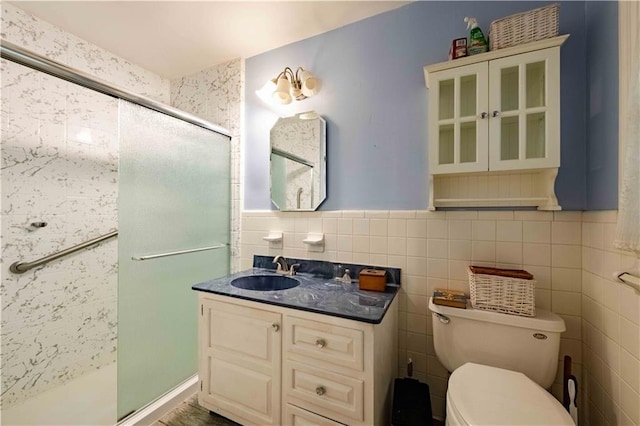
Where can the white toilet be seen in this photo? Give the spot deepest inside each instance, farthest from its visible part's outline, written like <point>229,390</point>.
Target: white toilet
<point>500,364</point>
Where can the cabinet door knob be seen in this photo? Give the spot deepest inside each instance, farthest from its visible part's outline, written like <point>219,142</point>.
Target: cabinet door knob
<point>483,115</point>
<point>495,113</point>
<point>321,343</point>
<point>276,327</point>
<point>320,390</point>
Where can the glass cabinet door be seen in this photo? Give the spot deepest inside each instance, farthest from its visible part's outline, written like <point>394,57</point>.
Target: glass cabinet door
<point>458,106</point>
<point>524,109</point>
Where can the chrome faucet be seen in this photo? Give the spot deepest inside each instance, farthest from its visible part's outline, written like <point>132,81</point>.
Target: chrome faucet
<point>283,266</point>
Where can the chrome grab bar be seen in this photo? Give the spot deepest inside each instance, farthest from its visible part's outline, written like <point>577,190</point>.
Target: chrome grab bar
<point>173,253</point>
<point>22,267</point>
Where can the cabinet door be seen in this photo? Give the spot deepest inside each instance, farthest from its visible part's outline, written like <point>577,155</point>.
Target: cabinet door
<point>458,128</point>
<point>240,362</point>
<point>524,110</point>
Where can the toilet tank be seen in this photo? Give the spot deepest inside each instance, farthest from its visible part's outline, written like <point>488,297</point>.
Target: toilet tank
<point>524,344</point>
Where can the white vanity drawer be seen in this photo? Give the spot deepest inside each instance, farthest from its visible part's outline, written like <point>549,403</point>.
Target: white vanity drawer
<point>324,342</point>
<point>323,392</point>
<point>295,416</point>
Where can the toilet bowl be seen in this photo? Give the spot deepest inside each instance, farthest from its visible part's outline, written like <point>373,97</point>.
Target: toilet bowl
<point>500,366</point>
<point>483,395</point>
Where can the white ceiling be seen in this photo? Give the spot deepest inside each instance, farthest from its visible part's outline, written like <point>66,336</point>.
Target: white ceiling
<point>177,38</point>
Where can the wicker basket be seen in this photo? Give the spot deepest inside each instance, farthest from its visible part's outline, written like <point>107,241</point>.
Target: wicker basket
<point>524,27</point>
<point>507,295</point>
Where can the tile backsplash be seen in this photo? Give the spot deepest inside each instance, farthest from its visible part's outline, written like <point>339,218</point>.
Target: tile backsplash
<point>326,269</point>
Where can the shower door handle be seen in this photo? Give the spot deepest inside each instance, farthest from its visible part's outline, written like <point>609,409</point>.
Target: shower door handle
<point>174,253</point>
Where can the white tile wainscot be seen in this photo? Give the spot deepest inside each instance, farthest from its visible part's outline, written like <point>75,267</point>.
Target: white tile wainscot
<point>610,327</point>
<point>432,249</point>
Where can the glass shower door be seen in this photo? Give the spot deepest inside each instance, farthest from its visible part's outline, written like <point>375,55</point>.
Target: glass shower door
<point>174,196</point>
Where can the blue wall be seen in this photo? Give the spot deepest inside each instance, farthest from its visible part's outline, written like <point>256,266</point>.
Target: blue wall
<point>375,102</point>
<point>602,108</point>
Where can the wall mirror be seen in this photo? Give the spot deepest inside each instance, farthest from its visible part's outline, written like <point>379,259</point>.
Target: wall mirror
<point>298,162</point>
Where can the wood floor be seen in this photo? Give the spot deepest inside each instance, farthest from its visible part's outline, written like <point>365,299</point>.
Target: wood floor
<point>189,413</point>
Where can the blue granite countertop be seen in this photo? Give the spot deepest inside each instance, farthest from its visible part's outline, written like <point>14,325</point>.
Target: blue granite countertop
<point>316,293</point>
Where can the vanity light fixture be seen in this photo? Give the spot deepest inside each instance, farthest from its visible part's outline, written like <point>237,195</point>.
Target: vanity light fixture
<point>288,86</point>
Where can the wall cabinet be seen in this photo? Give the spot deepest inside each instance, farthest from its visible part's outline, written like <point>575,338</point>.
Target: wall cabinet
<point>269,365</point>
<point>494,127</point>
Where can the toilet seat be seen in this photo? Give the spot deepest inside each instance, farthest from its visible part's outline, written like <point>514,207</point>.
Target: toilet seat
<point>484,395</point>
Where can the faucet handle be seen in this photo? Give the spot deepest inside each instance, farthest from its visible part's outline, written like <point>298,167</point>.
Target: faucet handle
<point>292,268</point>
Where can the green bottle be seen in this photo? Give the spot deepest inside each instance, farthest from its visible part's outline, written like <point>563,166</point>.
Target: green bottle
<point>477,41</point>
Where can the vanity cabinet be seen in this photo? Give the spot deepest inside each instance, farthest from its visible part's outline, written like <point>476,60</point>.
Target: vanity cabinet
<point>494,127</point>
<point>327,370</point>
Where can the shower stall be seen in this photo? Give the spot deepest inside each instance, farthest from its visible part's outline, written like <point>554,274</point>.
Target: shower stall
<point>113,205</point>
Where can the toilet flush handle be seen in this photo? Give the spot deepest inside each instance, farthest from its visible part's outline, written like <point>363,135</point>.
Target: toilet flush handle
<point>442,318</point>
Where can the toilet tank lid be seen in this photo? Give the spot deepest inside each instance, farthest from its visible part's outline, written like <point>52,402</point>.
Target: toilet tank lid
<point>483,395</point>
<point>543,321</point>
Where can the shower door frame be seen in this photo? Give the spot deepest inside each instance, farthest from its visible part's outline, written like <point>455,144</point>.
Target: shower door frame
<point>17,54</point>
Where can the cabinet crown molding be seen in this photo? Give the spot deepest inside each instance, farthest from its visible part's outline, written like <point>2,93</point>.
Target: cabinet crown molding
<point>494,54</point>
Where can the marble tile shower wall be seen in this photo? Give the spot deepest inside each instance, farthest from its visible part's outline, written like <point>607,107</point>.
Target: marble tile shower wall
<point>216,95</point>
<point>611,327</point>
<point>433,250</point>
<point>59,165</point>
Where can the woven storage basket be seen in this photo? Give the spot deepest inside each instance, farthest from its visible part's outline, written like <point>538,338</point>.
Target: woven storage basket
<point>524,27</point>
<point>507,295</point>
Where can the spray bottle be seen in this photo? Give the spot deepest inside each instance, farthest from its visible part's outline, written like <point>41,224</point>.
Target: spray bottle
<point>477,41</point>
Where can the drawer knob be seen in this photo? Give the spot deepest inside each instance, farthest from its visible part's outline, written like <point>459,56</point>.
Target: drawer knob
<point>320,390</point>
<point>321,343</point>
<point>276,327</point>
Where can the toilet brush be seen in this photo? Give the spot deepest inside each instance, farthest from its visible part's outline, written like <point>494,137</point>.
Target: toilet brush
<point>572,385</point>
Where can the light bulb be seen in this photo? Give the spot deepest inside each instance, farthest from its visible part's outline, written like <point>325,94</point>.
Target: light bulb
<point>281,95</point>
<point>310,85</point>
